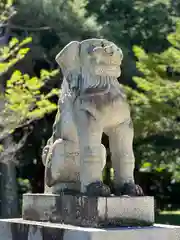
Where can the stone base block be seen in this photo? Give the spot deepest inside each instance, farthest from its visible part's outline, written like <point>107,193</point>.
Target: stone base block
<point>19,229</point>
<point>89,211</point>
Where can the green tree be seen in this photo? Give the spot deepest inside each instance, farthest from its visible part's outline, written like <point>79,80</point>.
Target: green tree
<point>23,98</point>
<point>22,101</point>
<point>52,24</point>
<point>155,106</point>
<point>133,22</point>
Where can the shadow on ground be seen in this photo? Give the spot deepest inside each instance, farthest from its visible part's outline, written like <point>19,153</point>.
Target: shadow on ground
<point>172,218</point>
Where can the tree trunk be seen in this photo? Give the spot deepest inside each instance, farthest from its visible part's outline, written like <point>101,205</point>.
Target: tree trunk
<point>8,183</point>
<point>9,193</point>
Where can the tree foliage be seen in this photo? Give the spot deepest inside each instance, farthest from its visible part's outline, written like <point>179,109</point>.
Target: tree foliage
<point>156,103</point>
<point>53,24</point>
<point>133,22</point>
<point>128,22</point>
<point>23,98</point>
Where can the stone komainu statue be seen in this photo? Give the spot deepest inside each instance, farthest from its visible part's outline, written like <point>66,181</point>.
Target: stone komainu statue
<point>91,102</point>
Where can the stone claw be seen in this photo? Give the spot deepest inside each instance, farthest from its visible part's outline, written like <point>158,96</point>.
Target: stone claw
<point>129,189</point>
<point>98,189</point>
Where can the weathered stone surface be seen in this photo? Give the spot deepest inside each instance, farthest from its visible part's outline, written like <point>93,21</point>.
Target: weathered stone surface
<point>18,229</point>
<point>89,211</point>
<point>92,102</point>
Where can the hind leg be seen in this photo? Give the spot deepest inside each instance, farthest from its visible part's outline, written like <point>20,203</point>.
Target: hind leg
<point>62,167</point>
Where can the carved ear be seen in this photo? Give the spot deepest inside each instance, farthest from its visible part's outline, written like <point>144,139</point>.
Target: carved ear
<point>68,58</point>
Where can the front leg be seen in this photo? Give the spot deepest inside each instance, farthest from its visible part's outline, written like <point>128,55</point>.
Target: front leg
<point>92,155</point>
<point>123,161</point>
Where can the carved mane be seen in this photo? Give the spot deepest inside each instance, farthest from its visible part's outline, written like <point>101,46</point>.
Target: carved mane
<point>96,79</point>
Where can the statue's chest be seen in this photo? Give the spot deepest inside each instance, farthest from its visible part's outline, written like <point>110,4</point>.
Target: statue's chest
<point>101,98</point>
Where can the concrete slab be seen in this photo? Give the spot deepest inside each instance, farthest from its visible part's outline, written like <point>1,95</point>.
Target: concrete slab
<point>89,211</point>
<point>19,229</point>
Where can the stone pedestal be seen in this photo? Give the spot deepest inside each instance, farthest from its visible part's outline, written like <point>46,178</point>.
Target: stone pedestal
<point>89,211</point>
<point>19,229</point>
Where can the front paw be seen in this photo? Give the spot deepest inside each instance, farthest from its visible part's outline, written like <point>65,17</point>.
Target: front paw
<point>98,189</point>
<point>129,189</point>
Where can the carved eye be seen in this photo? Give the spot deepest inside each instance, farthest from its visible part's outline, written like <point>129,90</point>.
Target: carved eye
<point>109,50</point>
<point>90,49</point>
<point>102,45</point>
